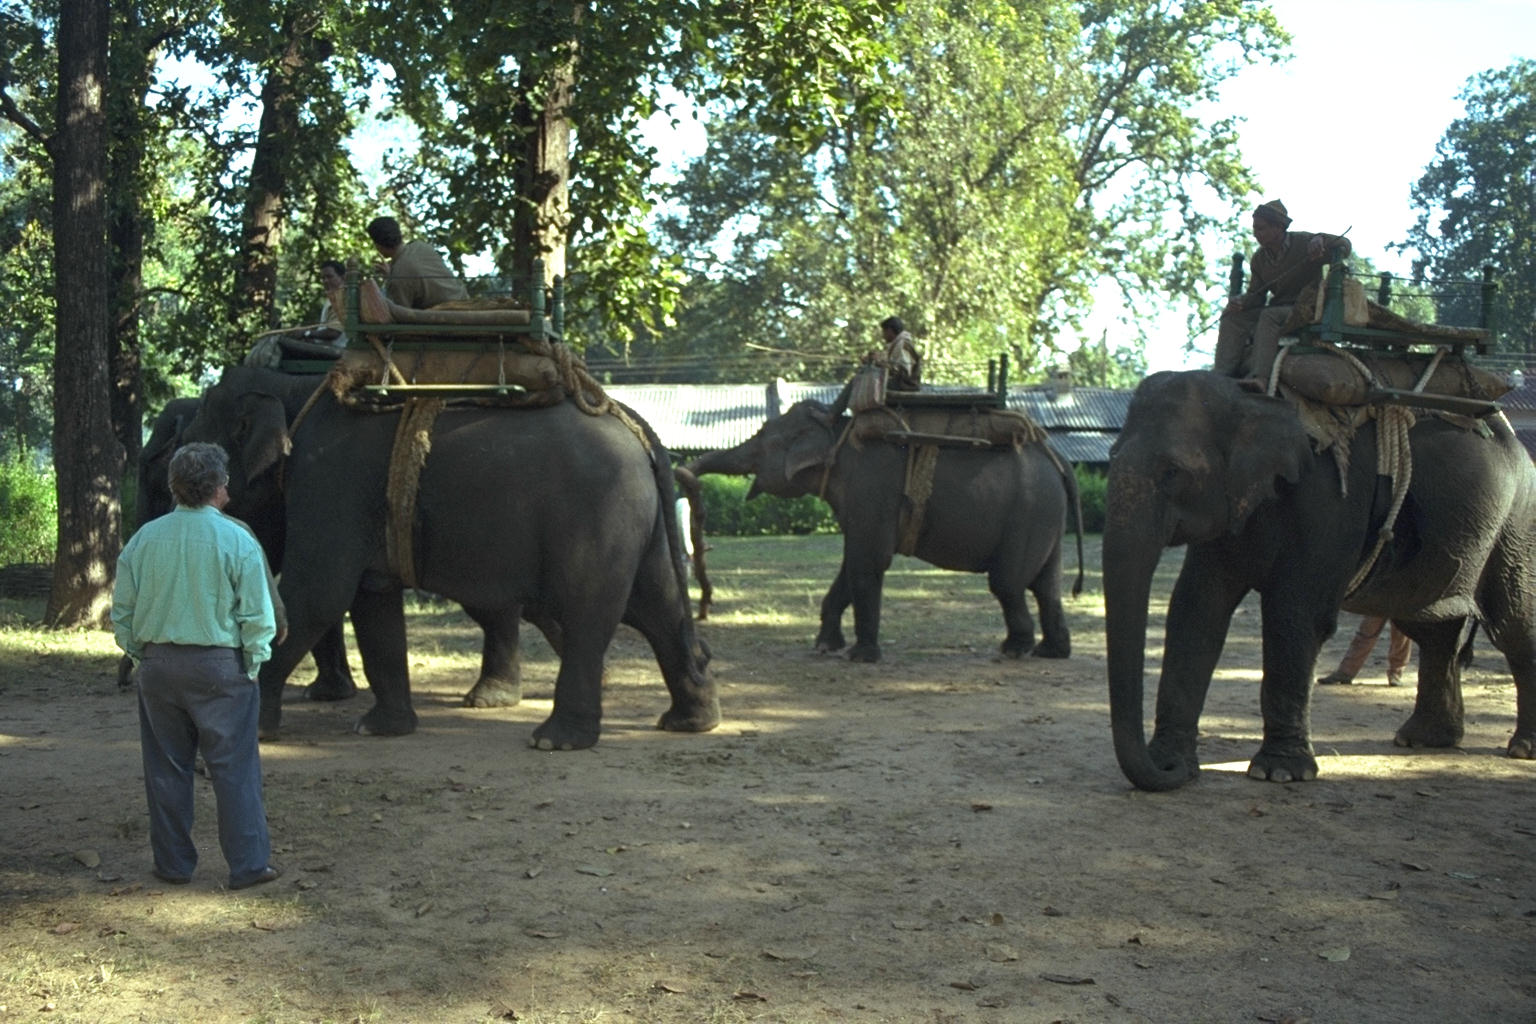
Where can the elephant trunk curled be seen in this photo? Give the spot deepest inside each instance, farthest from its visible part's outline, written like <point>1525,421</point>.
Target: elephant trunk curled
<point>1133,546</point>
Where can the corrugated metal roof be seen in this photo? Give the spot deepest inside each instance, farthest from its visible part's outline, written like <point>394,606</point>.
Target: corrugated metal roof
<point>707,417</point>
<point>697,417</point>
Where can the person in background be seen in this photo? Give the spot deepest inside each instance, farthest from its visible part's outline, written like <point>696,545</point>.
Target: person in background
<point>1285,263</point>
<point>901,359</point>
<point>417,277</point>
<point>1398,653</point>
<point>333,278</point>
<point>191,607</point>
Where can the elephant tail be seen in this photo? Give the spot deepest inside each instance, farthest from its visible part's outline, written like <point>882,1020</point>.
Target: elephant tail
<point>1069,481</point>
<point>696,520</point>
<point>661,468</point>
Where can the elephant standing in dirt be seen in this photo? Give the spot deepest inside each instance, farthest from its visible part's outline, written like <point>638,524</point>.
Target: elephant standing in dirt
<point>549,510</point>
<point>1001,511</point>
<point>1233,475</point>
<point>153,499</point>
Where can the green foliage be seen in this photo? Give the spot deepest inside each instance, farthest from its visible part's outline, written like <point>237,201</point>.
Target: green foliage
<point>728,513</point>
<point>1091,485</point>
<point>28,512</point>
<point>1033,149</point>
<point>1477,205</point>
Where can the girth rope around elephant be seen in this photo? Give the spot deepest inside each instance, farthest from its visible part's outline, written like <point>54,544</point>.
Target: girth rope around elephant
<point>413,437</point>
<point>1394,454</point>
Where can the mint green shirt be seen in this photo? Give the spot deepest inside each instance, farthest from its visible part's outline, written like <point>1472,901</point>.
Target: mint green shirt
<point>195,576</point>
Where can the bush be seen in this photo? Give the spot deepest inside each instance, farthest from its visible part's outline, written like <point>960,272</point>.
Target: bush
<point>1090,488</point>
<point>28,513</point>
<point>729,513</point>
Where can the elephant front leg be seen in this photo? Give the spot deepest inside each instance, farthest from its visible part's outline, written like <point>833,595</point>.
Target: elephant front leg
<point>501,677</point>
<point>1199,616</point>
<point>1437,719</point>
<point>867,590</point>
<point>836,601</point>
<point>1293,632</point>
<point>378,619</point>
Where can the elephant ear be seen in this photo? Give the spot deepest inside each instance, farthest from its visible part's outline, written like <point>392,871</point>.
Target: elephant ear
<point>261,433</point>
<point>1268,446</point>
<point>810,449</point>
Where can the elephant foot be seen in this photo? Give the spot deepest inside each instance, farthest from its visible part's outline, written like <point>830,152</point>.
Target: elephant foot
<point>1284,766</point>
<point>1423,731</point>
<point>327,689</point>
<point>828,643</point>
<point>868,653</point>
<point>1053,647</point>
<point>377,722</point>
<point>564,733</point>
<point>702,718</point>
<point>267,722</point>
<point>1522,747</point>
<point>494,693</point>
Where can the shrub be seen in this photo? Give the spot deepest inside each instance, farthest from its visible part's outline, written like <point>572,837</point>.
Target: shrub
<point>1090,488</point>
<point>729,514</point>
<point>28,512</point>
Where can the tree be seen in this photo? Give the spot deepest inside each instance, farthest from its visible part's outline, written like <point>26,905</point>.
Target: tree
<point>88,458</point>
<point>1034,149</point>
<point>1477,205</point>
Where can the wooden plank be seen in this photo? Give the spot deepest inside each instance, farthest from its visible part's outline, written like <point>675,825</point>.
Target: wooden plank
<point>1426,400</point>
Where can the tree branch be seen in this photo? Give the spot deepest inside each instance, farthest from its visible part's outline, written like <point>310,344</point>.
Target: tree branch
<point>17,116</point>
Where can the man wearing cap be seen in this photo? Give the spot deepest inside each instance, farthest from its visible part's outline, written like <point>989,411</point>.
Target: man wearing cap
<point>1286,262</point>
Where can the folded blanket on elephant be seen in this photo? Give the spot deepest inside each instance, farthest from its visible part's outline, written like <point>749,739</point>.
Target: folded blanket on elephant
<point>272,349</point>
<point>374,307</point>
<point>998,428</point>
<point>1340,377</point>
<point>490,363</point>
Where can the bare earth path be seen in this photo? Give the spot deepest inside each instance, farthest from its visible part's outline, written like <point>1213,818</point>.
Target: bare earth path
<point>940,837</point>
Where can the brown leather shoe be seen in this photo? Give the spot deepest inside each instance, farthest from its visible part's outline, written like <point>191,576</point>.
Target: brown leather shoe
<point>1335,679</point>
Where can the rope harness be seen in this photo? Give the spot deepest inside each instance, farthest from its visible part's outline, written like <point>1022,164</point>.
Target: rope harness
<point>413,434</point>
<point>1394,453</point>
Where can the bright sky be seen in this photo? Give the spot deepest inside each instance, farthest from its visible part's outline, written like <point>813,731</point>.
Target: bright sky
<point>1342,131</point>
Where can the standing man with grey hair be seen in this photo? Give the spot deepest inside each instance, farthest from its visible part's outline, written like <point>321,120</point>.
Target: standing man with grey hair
<point>191,607</point>
<point>418,277</point>
<point>1286,263</point>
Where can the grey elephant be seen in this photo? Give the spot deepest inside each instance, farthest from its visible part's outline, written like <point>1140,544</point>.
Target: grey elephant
<point>1001,511</point>
<point>153,499</point>
<point>1233,475</point>
<point>549,511</point>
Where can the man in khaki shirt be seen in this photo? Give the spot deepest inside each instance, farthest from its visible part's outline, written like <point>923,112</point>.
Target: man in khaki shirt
<point>418,277</point>
<point>1286,262</point>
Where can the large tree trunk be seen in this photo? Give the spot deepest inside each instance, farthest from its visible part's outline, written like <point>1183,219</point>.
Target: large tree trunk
<point>271,163</point>
<point>132,66</point>
<point>542,121</point>
<point>87,456</point>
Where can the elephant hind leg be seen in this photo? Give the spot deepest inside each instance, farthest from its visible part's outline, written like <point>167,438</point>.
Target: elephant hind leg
<point>1437,710</point>
<point>1020,639</point>
<point>500,684</point>
<point>1516,639</point>
<point>378,619</point>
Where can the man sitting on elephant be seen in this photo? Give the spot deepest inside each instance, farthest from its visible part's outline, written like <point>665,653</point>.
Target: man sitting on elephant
<point>1286,263</point>
<point>418,277</point>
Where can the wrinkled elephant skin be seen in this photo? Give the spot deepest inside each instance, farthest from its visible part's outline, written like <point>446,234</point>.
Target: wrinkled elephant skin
<point>998,511</point>
<point>550,510</point>
<point>1232,474</point>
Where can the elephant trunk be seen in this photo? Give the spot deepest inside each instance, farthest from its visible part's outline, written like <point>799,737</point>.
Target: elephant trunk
<point>736,461</point>
<point>1133,546</point>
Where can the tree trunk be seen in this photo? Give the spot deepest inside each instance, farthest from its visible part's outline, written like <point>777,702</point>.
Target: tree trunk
<point>131,69</point>
<point>87,456</point>
<point>540,225</point>
<point>271,163</point>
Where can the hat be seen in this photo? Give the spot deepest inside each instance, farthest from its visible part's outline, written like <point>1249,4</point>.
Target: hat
<point>1274,212</point>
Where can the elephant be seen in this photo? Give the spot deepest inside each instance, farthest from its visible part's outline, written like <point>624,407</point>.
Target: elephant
<point>1233,476</point>
<point>550,511</point>
<point>153,499</point>
<point>1000,511</point>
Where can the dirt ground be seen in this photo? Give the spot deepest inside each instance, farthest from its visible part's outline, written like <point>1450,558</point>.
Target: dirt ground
<point>940,837</point>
